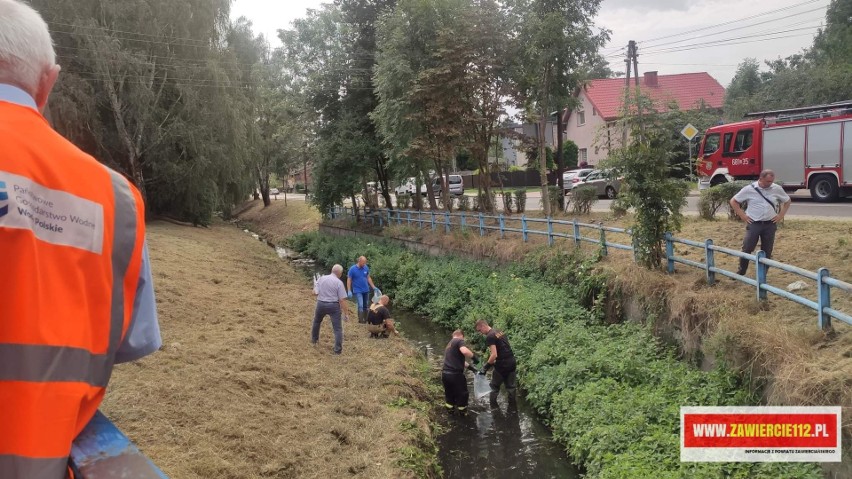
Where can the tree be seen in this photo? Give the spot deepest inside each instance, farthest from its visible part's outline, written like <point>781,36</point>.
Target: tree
<point>150,89</point>
<point>645,165</point>
<point>740,97</point>
<point>557,41</point>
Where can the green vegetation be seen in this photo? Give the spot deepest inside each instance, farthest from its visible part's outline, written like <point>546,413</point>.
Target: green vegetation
<point>610,393</point>
<point>716,197</point>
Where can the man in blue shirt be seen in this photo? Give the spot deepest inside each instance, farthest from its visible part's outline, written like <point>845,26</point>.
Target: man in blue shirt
<point>359,283</point>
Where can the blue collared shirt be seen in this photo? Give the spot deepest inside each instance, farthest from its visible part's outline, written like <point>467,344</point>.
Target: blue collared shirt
<point>143,334</point>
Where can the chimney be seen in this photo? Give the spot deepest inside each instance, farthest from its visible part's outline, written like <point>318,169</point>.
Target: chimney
<point>650,78</point>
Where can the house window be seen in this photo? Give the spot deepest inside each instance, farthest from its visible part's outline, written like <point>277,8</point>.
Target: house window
<point>581,116</point>
<point>583,157</point>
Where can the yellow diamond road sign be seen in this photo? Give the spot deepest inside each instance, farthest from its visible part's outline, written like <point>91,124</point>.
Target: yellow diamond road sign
<point>689,131</point>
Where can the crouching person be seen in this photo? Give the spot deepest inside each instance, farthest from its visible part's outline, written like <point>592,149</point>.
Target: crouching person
<point>452,374</point>
<point>379,322</point>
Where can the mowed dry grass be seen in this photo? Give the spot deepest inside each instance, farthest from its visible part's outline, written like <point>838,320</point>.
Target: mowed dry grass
<point>279,221</point>
<point>237,391</point>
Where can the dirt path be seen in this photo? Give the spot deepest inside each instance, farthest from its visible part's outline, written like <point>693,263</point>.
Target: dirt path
<point>238,392</point>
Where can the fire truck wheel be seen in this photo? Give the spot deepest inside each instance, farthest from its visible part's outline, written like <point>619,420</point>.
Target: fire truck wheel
<point>824,188</point>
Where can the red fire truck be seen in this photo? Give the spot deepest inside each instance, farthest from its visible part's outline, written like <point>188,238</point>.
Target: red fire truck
<point>806,147</point>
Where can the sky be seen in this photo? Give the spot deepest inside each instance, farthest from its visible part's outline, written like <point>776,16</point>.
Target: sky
<point>691,26</point>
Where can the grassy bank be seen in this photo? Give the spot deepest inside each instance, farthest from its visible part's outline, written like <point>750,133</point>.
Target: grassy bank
<point>611,393</point>
<point>238,392</point>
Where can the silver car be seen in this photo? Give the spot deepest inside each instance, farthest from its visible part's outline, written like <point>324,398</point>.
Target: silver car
<point>456,185</point>
<point>603,182</point>
<point>571,178</point>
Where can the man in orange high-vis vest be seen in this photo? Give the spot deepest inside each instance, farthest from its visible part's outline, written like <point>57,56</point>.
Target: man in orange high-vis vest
<point>76,295</point>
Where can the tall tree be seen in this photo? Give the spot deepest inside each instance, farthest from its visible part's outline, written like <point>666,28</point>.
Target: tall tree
<point>557,40</point>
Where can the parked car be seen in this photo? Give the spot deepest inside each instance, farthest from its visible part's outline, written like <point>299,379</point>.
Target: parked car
<point>409,187</point>
<point>603,183</point>
<point>456,185</point>
<point>572,177</point>
<point>274,191</point>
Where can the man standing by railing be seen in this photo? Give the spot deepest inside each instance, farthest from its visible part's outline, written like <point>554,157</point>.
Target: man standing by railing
<point>767,203</point>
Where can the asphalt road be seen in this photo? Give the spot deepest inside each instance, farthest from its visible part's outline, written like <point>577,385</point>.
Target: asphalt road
<point>803,206</point>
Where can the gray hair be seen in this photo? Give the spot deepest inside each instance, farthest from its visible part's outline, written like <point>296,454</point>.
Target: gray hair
<point>337,269</point>
<point>765,173</point>
<point>26,49</point>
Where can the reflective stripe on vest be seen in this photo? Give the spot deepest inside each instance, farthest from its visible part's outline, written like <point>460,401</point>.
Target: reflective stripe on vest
<point>57,364</point>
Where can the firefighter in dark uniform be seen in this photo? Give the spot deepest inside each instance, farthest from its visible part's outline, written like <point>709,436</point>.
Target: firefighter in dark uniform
<point>452,373</point>
<point>501,358</point>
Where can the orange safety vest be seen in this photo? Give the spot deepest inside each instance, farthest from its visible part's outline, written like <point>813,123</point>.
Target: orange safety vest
<point>71,241</point>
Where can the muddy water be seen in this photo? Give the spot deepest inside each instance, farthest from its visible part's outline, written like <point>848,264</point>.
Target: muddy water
<point>491,442</point>
<point>506,441</point>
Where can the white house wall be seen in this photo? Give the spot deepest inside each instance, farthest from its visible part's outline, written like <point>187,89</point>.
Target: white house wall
<point>585,135</point>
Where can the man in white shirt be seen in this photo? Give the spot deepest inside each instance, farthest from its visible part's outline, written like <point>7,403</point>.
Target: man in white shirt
<point>331,301</point>
<point>767,203</point>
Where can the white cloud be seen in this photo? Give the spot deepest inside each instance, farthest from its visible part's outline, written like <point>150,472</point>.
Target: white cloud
<point>270,16</point>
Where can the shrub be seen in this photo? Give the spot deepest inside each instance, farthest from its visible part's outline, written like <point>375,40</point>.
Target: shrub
<point>507,202</point>
<point>554,195</point>
<point>464,203</point>
<point>403,201</point>
<point>582,199</point>
<point>717,196</point>
<point>521,200</point>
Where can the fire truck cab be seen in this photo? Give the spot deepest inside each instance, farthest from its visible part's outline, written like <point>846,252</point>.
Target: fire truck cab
<point>806,148</point>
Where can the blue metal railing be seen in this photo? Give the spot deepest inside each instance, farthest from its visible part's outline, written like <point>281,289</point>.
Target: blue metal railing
<point>503,224</point>
<point>101,450</point>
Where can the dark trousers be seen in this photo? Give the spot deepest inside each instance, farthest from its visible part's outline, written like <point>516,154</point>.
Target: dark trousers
<point>455,390</point>
<point>759,230</point>
<point>333,310</point>
<point>507,378</point>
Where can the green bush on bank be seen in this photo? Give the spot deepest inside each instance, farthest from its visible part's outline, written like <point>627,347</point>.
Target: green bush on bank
<point>610,393</point>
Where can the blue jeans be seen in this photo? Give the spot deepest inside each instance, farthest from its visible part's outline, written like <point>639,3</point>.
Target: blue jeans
<point>333,310</point>
<point>363,301</point>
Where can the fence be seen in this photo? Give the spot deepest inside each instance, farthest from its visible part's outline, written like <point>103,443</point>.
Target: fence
<point>102,450</point>
<point>500,223</point>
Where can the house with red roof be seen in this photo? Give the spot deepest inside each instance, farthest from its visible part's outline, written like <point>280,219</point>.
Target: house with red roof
<point>590,124</point>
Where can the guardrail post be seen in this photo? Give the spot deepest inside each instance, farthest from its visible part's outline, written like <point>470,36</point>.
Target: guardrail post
<point>381,221</point>
<point>408,217</point>
<point>433,219</point>
<point>524,227</point>
<point>576,233</point>
<point>481,224</point>
<point>447,221</point>
<point>463,221</point>
<point>502,226</point>
<point>824,300</point>
<point>635,244</point>
<point>761,274</point>
<point>709,261</point>
<point>390,217</point>
<point>603,241</point>
<point>420,219</point>
<point>670,253</point>
<point>549,231</point>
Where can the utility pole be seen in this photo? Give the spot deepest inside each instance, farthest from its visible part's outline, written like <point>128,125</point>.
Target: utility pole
<point>628,61</point>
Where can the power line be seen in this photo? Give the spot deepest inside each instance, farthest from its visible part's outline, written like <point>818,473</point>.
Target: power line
<point>742,28</point>
<point>733,21</point>
<point>127,33</point>
<point>726,40</point>
<point>730,44</point>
